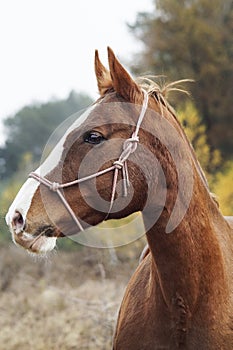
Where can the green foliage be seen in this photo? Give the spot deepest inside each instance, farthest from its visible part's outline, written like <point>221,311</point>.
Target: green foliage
<point>224,189</point>
<point>220,181</point>
<point>10,187</point>
<point>193,39</point>
<point>195,130</point>
<point>8,191</point>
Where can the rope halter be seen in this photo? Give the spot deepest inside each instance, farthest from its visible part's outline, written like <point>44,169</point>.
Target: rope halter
<point>129,147</point>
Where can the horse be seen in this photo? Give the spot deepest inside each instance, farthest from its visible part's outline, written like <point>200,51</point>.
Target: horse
<point>129,153</point>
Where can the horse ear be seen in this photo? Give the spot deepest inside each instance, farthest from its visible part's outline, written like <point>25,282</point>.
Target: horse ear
<point>103,76</point>
<point>121,80</point>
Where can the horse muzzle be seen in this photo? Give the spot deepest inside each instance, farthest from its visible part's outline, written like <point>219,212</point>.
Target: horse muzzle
<point>41,241</point>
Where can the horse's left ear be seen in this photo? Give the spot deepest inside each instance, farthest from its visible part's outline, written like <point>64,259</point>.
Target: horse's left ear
<point>122,82</point>
<point>103,76</point>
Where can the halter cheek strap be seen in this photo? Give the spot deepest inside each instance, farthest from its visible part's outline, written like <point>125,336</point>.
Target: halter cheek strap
<point>129,146</point>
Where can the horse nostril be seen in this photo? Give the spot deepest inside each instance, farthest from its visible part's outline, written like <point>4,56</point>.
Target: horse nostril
<point>18,223</point>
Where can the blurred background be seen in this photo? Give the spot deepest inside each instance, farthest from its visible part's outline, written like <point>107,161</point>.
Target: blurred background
<point>70,299</point>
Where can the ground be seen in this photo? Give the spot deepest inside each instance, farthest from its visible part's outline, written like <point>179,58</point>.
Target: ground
<point>66,301</point>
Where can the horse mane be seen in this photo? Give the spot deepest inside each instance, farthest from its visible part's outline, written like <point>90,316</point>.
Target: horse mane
<point>157,87</point>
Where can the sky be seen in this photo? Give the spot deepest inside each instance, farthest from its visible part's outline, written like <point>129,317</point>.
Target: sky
<point>47,46</point>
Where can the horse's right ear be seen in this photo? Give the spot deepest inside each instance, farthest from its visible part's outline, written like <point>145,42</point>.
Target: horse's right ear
<point>122,82</point>
<point>103,76</point>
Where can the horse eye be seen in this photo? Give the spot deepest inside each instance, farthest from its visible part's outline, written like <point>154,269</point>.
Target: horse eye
<point>93,137</point>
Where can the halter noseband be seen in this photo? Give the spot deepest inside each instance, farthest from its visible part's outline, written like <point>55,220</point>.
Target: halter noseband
<point>129,146</point>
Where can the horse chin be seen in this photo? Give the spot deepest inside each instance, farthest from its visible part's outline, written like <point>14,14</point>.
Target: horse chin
<point>37,244</point>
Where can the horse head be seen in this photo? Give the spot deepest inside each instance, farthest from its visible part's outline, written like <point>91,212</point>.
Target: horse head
<point>92,144</point>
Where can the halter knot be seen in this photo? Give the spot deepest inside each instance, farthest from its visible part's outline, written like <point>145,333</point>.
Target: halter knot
<point>132,143</point>
<point>118,164</point>
<point>54,186</point>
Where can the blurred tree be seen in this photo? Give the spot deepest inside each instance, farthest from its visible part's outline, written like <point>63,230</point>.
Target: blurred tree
<point>220,180</point>
<point>195,129</point>
<point>30,128</point>
<point>193,39</point>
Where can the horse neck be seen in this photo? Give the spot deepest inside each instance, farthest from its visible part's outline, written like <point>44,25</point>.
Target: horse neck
<point>187,262</point>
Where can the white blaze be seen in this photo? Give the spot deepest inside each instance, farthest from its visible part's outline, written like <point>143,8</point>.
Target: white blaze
<point>22,201</point>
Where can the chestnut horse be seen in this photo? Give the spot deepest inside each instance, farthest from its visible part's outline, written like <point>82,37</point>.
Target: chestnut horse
<point>180,296</point>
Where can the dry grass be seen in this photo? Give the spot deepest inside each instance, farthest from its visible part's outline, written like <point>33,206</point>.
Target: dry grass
<point>68,301</point>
